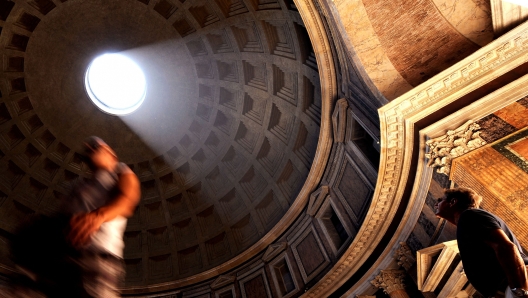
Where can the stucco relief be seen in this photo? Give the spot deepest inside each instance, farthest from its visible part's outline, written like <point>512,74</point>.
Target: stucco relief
<point>454,143</point>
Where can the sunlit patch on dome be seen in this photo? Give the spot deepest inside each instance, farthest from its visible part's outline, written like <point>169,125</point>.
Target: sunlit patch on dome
<point>115,84</point>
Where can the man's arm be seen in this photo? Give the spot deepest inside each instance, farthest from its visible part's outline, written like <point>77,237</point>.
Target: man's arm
<point>509,258</point>
<point>84,225</point>
<point>126,202</point>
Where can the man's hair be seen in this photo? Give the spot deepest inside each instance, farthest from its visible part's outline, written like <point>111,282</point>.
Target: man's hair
<point>466,197</point>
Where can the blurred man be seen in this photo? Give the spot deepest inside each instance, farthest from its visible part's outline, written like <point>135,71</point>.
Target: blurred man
<point>80,251</point>
<point>101,207</point>
<point>491,255</point>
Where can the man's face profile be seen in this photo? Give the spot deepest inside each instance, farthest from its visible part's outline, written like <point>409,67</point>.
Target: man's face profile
<point>444,207</point>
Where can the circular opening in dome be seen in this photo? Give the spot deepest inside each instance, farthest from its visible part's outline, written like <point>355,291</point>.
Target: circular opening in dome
<point>115,84</point>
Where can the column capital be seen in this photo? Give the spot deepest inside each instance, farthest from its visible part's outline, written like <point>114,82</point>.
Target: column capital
<point>390,280</point>
<point>404,256</point>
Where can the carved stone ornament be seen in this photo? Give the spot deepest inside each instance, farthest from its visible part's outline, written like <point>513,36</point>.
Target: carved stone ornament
<point>454,143</point>
<point>390,280</point>
<point>404,256</point>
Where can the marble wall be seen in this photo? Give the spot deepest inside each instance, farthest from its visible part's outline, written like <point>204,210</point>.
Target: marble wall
<point>472,18</point>
<point>366,44</point>
<point>402,44</point>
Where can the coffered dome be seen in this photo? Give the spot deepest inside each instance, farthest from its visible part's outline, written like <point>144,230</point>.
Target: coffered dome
<point>222,144</point>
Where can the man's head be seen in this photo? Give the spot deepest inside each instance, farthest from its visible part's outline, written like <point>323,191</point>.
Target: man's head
<point>98,154</point>
<point>455,201</point>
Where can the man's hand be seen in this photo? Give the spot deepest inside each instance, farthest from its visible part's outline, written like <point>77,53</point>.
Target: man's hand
<point>83,226</point>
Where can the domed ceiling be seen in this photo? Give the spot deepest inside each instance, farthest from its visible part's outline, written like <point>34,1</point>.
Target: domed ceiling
<point>222,144</point>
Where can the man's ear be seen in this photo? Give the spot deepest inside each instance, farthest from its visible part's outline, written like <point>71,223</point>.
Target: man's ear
<point>453,202</point>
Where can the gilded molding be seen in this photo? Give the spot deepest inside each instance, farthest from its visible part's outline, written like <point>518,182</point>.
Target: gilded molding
<point>397,126</point>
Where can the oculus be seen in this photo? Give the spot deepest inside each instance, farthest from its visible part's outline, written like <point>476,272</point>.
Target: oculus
<point>115,84</point>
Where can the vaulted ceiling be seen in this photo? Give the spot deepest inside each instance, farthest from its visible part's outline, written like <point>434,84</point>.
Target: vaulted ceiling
<point>222,144</point>
<point>239,99</point>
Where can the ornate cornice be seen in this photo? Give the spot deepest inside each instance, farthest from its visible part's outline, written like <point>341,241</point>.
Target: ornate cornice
<point>398,140</point>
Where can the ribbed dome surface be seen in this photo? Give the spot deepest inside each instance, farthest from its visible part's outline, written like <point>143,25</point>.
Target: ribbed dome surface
<point>222,144</point>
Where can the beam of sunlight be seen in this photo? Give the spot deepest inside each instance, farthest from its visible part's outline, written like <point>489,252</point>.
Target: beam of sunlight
<point>170,103</point>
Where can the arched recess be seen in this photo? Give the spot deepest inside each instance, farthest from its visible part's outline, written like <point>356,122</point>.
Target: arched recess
<point>444,102</point>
